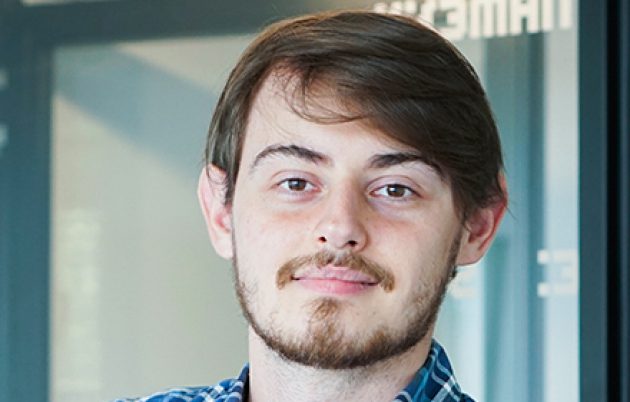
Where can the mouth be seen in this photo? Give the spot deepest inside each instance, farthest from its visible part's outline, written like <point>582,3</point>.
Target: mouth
<point>333,280</point>
<point>335,273</point>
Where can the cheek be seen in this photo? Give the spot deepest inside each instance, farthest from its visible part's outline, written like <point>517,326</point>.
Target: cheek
<point>277,230</point>
<point>267,222</point>
<point>415,250</point>
<point>265,241</point>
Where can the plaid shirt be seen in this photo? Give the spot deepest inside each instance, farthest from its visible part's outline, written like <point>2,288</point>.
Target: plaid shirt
<point>433,382</point>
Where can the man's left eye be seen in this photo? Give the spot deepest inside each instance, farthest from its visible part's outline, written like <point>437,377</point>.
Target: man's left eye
<point>394,191</point>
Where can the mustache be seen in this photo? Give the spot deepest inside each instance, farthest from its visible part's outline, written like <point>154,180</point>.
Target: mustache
<point>348,259</point>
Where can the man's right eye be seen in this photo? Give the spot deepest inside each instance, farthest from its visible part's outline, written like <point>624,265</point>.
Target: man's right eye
<point>295,184</point>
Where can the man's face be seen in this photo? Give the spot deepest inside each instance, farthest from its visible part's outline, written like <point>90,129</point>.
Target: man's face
<point>344,241</point>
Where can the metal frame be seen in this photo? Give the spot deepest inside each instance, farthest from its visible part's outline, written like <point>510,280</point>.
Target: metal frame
<point>619,193</point>
<point>604,35</point>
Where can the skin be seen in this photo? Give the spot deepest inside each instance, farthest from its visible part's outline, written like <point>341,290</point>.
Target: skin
<point>305,187</point>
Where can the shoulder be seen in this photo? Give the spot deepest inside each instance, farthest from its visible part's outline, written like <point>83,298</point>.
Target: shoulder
<point>230,390</point>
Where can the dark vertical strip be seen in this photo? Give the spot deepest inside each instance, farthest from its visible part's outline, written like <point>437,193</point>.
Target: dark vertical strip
<point>4,215</point>
<point>614,319</point>
<point>605,200</point>
<point>29,221</point>
<point>611,72</point>
<point>619,199</point>
<point>7,9</point>
<point>594,371</point>
<point>624,197</point>
<point>5,311</point>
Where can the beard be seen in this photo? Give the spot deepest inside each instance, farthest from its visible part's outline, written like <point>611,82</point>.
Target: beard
<point>325,344</point>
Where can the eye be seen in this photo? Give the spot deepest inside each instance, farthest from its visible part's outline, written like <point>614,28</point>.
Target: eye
<point>394,191</point>
<point>296,185</point>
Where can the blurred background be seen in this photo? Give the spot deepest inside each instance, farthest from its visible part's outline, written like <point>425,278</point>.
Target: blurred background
<point>109,286</point>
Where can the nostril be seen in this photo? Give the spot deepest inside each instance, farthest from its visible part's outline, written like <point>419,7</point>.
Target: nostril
<point>352,243</point>
<point>322,239</point>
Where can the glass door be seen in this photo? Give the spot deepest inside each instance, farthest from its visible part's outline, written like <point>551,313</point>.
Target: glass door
<point>139,301</point>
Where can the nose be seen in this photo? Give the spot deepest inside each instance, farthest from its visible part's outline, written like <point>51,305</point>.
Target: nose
<point>342,226</point>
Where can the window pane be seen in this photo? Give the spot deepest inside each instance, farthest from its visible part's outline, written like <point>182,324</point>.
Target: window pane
<point>510,323</point>
<point>139,300</point>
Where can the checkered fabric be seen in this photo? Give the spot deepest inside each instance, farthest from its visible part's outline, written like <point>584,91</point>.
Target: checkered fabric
<point>433,382</point>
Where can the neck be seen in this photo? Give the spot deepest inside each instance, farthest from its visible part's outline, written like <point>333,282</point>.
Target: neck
<point>273,378</point>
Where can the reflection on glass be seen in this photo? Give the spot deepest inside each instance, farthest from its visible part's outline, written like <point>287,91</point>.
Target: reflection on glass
<point>136,290</point>
<point>515,337</point>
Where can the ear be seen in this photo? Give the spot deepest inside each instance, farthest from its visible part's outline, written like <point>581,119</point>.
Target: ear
<point>481,228</point>
<point>211,193</point>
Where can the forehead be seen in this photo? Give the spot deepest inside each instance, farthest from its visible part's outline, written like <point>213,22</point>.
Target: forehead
<point>283,111</point>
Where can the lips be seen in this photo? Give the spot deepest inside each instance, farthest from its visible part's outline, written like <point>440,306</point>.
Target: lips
<point>335,273</point>
<point>338,281</point>
<point>331,272</point>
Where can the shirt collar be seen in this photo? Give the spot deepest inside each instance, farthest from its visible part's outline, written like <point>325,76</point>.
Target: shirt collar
<point>434,381</point>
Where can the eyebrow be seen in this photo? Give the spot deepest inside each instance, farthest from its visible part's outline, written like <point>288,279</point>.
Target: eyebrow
<point>383,161</point>
<point>380,161</point>
<point>294,151</point>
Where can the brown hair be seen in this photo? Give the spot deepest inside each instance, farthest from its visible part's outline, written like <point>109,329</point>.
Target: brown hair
<point>399,76</point>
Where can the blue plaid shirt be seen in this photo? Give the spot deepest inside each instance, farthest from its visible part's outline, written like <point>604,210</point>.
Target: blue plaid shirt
<point>433,382</point>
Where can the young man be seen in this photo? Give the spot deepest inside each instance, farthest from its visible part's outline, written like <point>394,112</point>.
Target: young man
<point>352,164</point>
